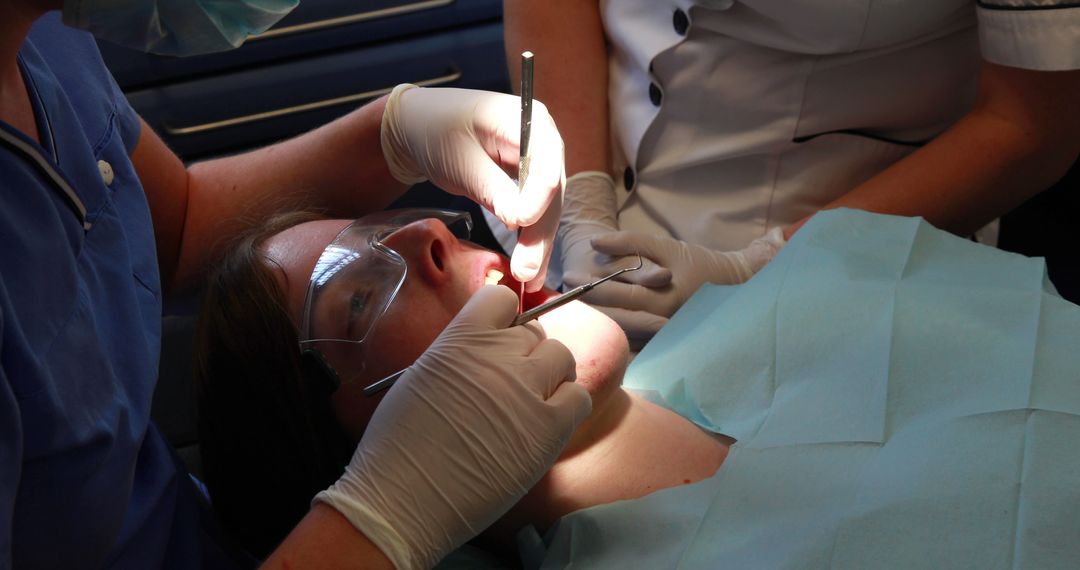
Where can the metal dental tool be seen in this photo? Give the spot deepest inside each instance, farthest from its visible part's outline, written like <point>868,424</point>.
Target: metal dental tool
<point>568,296</point>
<point>526,116</point>
<point>522,318</point>
<point>383,384</point>
<point>526,131</point>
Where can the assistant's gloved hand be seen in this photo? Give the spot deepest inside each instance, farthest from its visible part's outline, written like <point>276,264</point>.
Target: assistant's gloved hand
<point>465,142</point>
<point>639,308</point>
<point>461,437</point>
<point>589,212</point>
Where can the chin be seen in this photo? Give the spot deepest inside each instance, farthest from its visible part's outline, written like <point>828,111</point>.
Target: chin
<point>598,344</point>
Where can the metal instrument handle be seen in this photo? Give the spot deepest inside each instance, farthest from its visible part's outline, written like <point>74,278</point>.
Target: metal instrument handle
<point>385,383</point>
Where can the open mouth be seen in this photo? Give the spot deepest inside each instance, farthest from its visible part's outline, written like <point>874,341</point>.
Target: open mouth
<point>502,276</point>
<point>494,277</point>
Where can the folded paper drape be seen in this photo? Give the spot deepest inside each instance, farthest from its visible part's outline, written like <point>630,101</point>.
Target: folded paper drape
<point>901,398</point>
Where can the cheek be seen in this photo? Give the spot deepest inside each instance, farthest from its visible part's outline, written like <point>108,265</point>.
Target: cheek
<point>401,335</point>
<point>406,330</point>
<point>399,342</point>
<point>352,409</point>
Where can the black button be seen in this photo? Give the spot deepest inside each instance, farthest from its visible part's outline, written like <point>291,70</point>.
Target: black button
<point>680,21</point>
<point>628,179</point>
<point>654,94</point>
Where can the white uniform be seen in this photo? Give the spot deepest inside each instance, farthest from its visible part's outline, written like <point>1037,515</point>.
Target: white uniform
<point>729,118</point>
<point>732,117</point>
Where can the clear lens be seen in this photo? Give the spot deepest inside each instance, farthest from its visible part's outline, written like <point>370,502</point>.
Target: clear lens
<point>349,289</point>
<point>357,277</point>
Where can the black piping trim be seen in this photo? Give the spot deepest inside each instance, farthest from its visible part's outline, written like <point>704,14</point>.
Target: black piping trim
<point>19,147</point>
<point>29,78</point>
<point>1006,8</point>
<point>858,133</point>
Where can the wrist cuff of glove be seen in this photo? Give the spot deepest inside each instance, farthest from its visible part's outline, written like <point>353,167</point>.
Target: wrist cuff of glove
<point>763,249</point>
<point>776,238</point>
<point>374,526</point>
<point>592,175</point>
<point>590,195</point>
<point>391,133</point>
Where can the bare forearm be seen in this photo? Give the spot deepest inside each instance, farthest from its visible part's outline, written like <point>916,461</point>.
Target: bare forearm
<point>338,168</point>
<point>325,539</point>
<point>1018,140</point>
<point>571,71</point>
<point>978,170</point>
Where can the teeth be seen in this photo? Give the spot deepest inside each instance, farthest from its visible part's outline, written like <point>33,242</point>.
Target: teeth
<point>493,277</point>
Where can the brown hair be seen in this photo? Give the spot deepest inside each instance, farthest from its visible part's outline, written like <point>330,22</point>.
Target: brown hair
<point>268,437</point>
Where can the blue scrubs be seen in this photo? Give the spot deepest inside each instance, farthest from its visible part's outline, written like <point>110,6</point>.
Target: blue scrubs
<point>86,479</point>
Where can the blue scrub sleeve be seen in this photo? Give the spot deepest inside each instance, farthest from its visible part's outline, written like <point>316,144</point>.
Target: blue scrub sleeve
<point>1040,35</point>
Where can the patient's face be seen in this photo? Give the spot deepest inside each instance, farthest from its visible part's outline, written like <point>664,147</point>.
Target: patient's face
<point>443,273</point>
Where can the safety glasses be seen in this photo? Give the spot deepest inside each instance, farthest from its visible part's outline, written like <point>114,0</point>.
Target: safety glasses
<point>354,281</point>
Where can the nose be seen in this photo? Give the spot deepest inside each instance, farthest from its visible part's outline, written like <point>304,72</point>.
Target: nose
<point>424,244</point>
<point>419,232</point>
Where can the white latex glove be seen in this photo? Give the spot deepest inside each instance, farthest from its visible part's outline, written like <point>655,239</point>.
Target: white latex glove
<point>639,308</point>
<point>465,142</point>
<point>462,435</point>
<point>589,212</point>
